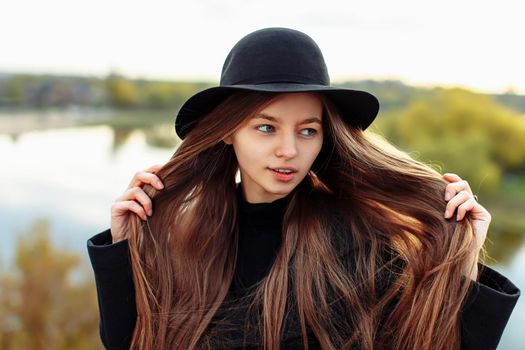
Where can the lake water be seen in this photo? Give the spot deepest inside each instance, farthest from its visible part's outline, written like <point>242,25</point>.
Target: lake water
<point>70,177</point>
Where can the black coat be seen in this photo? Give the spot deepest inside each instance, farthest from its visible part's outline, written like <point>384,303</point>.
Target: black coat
<point>484,316</point>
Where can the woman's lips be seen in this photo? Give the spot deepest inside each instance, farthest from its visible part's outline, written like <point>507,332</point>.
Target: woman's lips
<point>282,176</point>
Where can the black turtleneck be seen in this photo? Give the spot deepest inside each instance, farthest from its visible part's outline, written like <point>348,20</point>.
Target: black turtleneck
<point>260,237</point>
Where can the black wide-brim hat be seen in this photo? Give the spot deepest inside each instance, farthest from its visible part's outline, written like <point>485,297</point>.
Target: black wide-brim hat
<point>277,60</point>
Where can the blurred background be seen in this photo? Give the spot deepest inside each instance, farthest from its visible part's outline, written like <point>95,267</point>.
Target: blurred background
<point>89,91</point>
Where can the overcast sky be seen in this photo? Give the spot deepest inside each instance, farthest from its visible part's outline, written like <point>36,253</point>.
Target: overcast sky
<point>475,44</point>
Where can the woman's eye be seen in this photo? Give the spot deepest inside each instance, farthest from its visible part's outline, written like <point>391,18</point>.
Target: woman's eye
<point>312,132</point>
<point>261,127</point>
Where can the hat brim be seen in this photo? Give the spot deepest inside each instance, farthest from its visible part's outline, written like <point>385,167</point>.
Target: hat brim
<point>358,108</point>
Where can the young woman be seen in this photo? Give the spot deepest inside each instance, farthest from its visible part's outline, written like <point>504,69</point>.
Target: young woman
<point>332,239</point>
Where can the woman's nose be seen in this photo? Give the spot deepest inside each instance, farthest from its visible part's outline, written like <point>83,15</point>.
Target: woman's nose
<point>286,146</point>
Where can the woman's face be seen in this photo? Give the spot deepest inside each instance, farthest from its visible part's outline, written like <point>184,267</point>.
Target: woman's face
<point>285,135</point>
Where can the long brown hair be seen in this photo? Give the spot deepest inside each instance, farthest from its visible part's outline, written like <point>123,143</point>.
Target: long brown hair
<point>397,284</point>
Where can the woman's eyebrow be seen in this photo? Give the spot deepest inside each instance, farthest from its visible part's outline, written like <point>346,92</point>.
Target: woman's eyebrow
<point>274,119</point>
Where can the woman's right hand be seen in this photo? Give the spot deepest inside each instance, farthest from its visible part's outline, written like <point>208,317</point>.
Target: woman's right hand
<point>134,201</point>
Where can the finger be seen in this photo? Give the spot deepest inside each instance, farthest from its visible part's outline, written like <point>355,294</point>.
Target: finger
<point>137,194</point>
<point>144,177</point>
<point>154,168</point>
<point>124,207</point>
<point>465,207</point>
<point>455,187</point>
<point>452,177</point>
<point>455,202</point>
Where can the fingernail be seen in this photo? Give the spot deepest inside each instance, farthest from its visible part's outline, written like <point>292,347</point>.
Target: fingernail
<point>446,213</point>
<point>160,184</point>
<point>150,212</point>
<point>447,196</point>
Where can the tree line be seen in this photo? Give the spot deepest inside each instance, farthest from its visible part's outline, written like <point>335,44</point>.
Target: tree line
<point>113,91</point>
<point>120,92</point>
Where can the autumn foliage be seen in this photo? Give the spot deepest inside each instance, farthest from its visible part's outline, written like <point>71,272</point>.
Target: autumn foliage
<point>48,297</point>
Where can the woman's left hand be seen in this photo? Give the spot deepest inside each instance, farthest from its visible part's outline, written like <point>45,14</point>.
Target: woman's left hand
<point>460,197</point>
